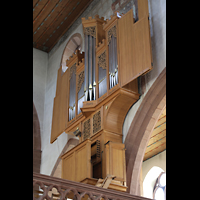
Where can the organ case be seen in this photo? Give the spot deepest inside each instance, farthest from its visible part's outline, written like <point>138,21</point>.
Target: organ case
<point>95,93</point>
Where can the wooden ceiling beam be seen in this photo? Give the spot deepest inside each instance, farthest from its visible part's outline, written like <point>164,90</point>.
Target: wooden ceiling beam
<point>39,7</point>
<point>80,9</point>
<point>52,18</point>
<point>60,22</point>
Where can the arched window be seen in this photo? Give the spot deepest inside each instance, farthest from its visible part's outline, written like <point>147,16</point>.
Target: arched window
<point>74,43</point>
<point>150,180</point>
<point>159,192</point>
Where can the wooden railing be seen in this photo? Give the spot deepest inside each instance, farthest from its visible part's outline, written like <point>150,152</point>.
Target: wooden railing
<point>50,188</point>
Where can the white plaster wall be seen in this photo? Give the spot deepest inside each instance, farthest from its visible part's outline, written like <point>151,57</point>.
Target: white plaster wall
<point>40,62</point>
<point>157,15</point>
<point>50,152</point>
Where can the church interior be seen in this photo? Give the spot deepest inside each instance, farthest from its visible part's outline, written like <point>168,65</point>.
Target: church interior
<point>99,99</point>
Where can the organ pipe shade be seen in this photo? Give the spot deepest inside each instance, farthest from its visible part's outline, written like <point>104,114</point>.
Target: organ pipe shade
<point>80,91</point>
<point>102,74</point>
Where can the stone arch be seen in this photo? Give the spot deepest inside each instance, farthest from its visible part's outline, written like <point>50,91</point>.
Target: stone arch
<point>140,131</point>
<point>71,141</point>
<point>36,142</point>
<point>74,43</point>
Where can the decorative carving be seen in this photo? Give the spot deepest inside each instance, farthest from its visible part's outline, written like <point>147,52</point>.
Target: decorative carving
<point>72,69</point>
<point>96,122</point>
<point>90,31</point>
<point>98,149</point>
<point>111,32</point>
<point>86,129</point>
<point>102,60</point>
<point>60,188</point>
<point>81,77</point>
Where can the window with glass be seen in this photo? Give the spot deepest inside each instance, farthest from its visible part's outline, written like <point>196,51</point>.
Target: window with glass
<point>159,191</point>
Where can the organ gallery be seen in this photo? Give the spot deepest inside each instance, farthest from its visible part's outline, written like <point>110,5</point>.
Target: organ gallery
<point>95,93</point>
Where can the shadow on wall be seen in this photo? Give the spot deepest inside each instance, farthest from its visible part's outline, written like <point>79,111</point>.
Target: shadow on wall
<point>36,142</point>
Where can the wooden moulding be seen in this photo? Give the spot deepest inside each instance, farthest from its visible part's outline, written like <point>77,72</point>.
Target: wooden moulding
<point>80,188</point>
<point>75,57</point>
<point>76,164</point>
<point>97,23</point>
<point>118,103</point>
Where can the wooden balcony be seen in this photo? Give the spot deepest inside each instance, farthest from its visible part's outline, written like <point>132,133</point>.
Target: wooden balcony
<point>48,187</point>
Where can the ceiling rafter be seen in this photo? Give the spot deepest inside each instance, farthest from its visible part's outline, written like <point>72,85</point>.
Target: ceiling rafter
<point>52,18</point>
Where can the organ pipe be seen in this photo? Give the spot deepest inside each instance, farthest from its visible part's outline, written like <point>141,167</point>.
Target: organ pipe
<point>90,64</point>
<point>113,67</point>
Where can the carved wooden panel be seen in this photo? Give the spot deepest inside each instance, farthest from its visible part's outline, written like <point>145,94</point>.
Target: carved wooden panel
<point>112,32</point>
<point>96,122</point>
<point>90,31</point>
<point>81,77</point>
<point>98,149</point>
<point>102,60</point>
<point>86,129</point>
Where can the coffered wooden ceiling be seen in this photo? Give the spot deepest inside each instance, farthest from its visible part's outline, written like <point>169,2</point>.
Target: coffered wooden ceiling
<point>157,142</point>
<point>52,18</point>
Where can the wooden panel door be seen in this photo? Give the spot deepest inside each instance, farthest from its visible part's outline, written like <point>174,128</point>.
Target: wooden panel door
<point>68,167</point>
<point>134,47</point>
<point>83,164</point>
<point>115,160</point>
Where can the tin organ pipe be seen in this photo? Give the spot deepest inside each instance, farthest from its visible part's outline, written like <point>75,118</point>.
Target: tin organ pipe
<point>113,55</point>
<point>72,96</point>
<point>116,64</point>
<point>113,69</point>
<point>102,86</point>
<point>90,56</point>
<point>90,92</point>
<point>86,68</point>
<point>90,62</point>
<point>81,98</point>
<point>93,67</point>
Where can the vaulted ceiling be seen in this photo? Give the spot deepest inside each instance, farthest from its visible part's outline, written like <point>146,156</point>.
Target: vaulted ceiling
<point>52,18</point>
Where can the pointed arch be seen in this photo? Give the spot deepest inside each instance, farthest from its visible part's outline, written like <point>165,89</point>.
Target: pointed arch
<point>140,131</point>
<point>74,43</point>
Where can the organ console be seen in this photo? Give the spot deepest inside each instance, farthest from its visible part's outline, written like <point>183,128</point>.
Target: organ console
<point>95,93</point>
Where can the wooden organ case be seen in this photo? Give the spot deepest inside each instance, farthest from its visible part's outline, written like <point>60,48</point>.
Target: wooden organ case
<point>95,93</point>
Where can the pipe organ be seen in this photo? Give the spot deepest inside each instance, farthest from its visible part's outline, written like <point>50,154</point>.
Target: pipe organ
<point>95,93</point>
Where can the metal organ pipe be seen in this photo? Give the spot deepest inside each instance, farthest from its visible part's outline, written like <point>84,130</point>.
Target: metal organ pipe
<point>93,67</point>
<point>113,67</point>
<point>90,56</point>
<point>72,92</point>
<point>86,68</point>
